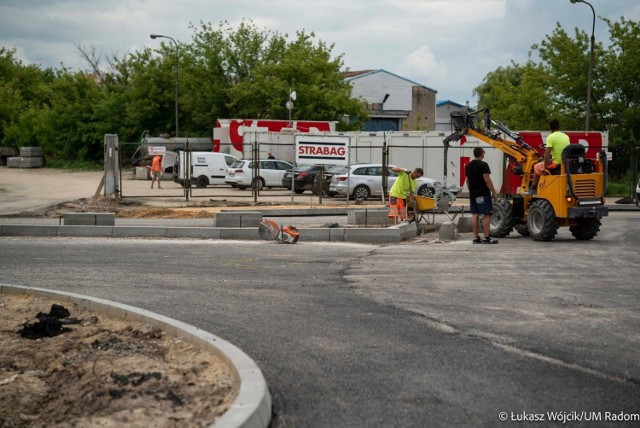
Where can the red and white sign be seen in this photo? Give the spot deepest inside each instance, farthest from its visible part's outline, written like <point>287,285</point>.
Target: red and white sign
<point>157,150</point>
<point>231,131</point>
<point>321,150</point>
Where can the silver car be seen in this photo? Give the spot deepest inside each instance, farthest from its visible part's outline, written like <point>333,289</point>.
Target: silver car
<point>270,173</point>
<point>365,180</point>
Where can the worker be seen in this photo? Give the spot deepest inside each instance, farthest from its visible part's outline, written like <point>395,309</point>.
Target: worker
<point>270,156</point>
<point>481,193</point>
<point>556,143</point>
<point>156,170</point>
<point>402,191</point>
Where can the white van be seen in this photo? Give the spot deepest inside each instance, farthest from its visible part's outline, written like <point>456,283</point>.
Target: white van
<point>206,167</point>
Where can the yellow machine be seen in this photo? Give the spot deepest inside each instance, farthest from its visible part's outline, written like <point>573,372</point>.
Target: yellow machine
<point>572,195</point>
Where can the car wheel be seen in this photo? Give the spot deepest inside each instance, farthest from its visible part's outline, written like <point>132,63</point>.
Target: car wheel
<point>426,191</point>
<point>299,191</point>
<point>361,192</point>
<point>257,183</point>
<point>202,181</point>
<point>242,187</point>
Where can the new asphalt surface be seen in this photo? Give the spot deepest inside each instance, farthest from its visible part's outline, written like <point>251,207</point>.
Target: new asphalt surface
<point>414,334</point>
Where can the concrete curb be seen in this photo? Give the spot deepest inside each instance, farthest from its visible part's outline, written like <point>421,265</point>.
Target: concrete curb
<point>252,407</point>
<point>381,235</point>
<point>371,235</point>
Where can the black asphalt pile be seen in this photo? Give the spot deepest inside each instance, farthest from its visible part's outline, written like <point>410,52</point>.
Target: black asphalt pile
<point>49,325</point>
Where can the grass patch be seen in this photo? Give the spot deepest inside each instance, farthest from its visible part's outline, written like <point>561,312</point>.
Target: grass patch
<point>621,187</point>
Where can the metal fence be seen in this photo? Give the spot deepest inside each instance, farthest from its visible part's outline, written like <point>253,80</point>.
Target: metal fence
<point>444,164</point>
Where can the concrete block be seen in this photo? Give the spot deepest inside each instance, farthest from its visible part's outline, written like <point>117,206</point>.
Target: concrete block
<point>464,225</point>
<point>193,232</point>
<point>142,173</point>
<point>245,233</point>
<point>237,219</point>
<point>28,230</point>
<point>408,231</point>
<point>447,231</point>
<point>315,234</point>
<point>373,216</point>
<point>13,162</point>
<point>105,219</point>
<point>89,219</point>
<point>373,235</point>
<point>85,231</point>
<point>336,235</point>
<point>33,162</point>
<point>30,151</point>
<point>139,232</point>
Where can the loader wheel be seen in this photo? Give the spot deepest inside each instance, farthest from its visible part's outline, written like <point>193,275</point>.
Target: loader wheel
<point>502,219</point>
<point>542,221</point>
<point>587,228</point>
<point>522,229</point>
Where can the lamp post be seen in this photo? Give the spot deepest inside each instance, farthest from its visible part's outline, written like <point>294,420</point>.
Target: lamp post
<point>289,106</point>
<point>155,36</point>
<point>589,84</point>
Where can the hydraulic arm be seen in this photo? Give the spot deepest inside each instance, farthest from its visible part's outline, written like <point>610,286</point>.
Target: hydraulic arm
<point>518,150</point>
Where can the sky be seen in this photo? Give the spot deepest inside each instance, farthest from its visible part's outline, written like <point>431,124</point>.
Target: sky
<point>446,45</point>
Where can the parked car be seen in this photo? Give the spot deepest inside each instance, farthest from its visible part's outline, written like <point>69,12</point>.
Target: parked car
<point>365,180</point>
<point>638,194</point>
<point>270,173</point>
<point>328,174</point>
<point>306,177</point>
<point>206,167</point>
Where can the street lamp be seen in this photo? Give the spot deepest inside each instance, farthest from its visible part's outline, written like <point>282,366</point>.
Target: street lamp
<point>289,106</point>
<point>155,36</point>
<point>589,84</point>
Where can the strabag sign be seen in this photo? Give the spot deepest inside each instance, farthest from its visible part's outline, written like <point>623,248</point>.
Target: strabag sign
<point>322,149</point>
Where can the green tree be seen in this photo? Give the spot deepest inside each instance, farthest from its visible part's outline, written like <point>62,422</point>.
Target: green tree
<point>620,106</point>
<point>23,90</point>
<point>517,96</point>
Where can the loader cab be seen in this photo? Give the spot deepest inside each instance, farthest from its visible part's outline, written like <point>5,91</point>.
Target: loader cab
<point>574,160</point>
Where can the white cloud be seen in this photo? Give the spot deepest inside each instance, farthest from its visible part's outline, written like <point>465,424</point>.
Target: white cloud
<point>449,45</point>
<point>422,66</point>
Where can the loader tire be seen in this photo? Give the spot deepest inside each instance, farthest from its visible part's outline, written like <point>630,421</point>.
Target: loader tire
<point>587,228</point>
<point>522,229</point>
<point>502,221</point>
<point>542,221</point>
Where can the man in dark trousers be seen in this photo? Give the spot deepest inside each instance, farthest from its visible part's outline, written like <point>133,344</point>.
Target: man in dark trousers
<point>481,192</point>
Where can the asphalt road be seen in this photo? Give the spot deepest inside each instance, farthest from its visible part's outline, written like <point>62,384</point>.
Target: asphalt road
<point>418,334</point>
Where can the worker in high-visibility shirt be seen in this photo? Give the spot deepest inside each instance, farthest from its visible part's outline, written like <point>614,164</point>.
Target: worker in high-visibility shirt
<point>401,191</point>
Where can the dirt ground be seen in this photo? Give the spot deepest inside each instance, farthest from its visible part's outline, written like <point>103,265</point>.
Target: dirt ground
<point>44,192</point>
<point>98,371</point>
